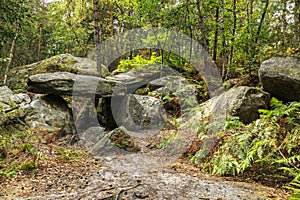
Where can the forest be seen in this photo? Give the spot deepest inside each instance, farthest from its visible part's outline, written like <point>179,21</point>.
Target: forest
<point>238,36</point>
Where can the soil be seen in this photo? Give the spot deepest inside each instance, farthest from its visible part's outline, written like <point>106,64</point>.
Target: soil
<point>133,176</point>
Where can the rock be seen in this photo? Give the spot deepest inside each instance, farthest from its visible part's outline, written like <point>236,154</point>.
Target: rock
<point>136,79</point>
<point>170,83</point>
<point>115,142</point>
<point>45,114</point>
<point>62,83</point>
<point>17,77</point>
<point>243,102</point>
<point>50,111</point>
<point>104,113</point>
<point>91,136</point>
<point>281,77</point>
<point>177,93</point>
<point>4,90</point>
<point>210,116</point>
<point>12,106</point>
<point>138,113</point>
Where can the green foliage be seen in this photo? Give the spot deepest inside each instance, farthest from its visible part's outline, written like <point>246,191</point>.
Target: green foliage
<point>166,141</point>
<point>137,63</point>
<point>273,140</point>
<point>16,146</point>
<point>295,186</point>
<point>69,154</point>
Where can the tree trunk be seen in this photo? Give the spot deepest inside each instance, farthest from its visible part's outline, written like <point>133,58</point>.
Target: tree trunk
<point>223,52</point>
<point>297,21</point>
<point>97,37</point>
<point>39,44</point>
<point>216,35</point>
<point>13,44</point>
<point>261,21</point>
<point>202,27</point>
<point>233,33</point>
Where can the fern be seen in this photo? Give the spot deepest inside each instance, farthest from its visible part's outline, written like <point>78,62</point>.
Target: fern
<point>274,139</point>
<point>295,186</point>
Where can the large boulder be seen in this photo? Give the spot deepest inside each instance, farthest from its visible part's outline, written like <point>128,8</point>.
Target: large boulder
<point>65,83</point>
<point>243,102</point>
<point>210,117</point>
<point>116,142</point>
<point>138,113</point>
<point>50,113</point>
<point>17,77</point>
<point>281,77</point>
<point>12,106</point>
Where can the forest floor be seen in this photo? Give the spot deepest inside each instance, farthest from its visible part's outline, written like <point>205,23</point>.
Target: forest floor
<point>128,177</point>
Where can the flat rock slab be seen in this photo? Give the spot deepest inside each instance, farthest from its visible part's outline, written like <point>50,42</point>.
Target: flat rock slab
<point>65,83</point>
<point>134,80</point>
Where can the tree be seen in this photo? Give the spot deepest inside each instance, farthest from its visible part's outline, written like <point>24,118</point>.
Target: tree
<point>97,36</point>
<point>12,48</point>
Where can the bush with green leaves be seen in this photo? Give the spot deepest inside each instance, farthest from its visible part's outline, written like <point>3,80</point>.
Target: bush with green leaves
<point>137,62</point>
<point>273,141</point>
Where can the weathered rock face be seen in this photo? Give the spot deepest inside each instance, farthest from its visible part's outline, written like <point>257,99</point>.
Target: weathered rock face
<point>134,80</point>
<point>242,102</point>
<point>281,77</point>
<point>91,136</point>
<point>169,83</point>
<point>178,94</point>
<point>44,112</point>
<point>138,113</point>
<point>12,107</point>
<point>50,112</point>
<point>65,83</point>
<point>118,141</point>
<point>17,77</point>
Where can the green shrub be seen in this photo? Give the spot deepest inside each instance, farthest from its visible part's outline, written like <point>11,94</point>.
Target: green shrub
<point>137,62</point>
<point>272,140</point>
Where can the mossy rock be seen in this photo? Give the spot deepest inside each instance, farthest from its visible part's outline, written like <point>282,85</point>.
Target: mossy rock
<point>17,77</point>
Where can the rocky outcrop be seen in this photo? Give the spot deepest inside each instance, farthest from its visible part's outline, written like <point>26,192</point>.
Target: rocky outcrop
<point>44,113</point>
<point>138,113</point>
<point>65,83</point>
<point>17,77</point>
<point>12,106</point>
<point>50,112</point>
<point>281,77</point>
<point>243,102</point>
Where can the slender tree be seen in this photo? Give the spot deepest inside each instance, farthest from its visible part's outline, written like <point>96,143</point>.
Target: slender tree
<point>261,21</point>
<point>202,26</point>
<point>97,36</point>
<point>12,48</point>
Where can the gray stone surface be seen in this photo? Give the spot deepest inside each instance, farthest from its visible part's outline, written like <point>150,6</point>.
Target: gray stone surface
<point>50,111</point>
<point>116,142</point>
<point>139,113</point>
<point>281,78</point>
<point>243,102</point>
<point>18,76</point>
<point>12,106</point>
<point>65,83</point>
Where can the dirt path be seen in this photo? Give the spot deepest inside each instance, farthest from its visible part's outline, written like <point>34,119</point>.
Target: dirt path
<point>128,177</point>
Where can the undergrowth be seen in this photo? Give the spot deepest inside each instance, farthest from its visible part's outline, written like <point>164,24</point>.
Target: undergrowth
<point>22,150</point>
<point>271,141</point>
